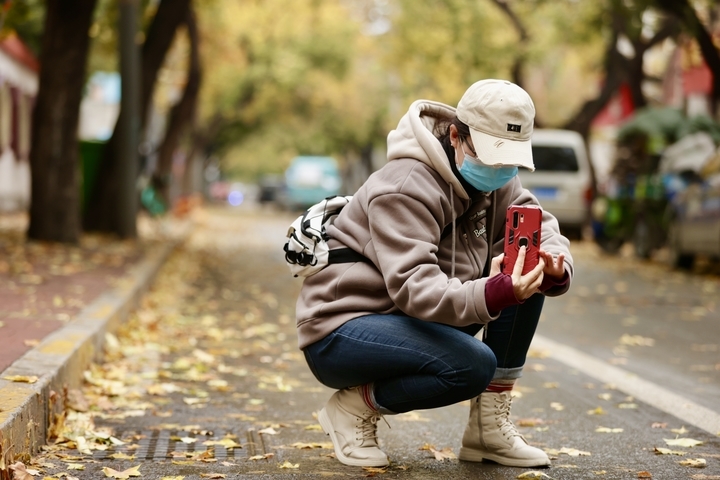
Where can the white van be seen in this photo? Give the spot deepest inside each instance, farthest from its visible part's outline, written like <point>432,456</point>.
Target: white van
<point>562,181</point>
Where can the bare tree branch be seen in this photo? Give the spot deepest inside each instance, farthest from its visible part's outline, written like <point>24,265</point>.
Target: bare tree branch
<point>516,71</point>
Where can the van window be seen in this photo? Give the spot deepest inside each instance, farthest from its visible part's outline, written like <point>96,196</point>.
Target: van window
<point>554,159</point>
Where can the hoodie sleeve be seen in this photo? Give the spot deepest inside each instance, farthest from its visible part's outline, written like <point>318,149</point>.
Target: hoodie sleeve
<point>405,231</point>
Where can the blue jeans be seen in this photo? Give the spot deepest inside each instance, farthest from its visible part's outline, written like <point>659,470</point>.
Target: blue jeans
<point>414,364</point>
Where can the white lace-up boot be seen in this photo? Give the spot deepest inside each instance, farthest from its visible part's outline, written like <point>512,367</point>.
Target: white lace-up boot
<point>491,435</point>
<point>352,427</point>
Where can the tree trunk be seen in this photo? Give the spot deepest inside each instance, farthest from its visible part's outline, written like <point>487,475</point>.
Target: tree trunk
<point>182,114</point>
<point>54,156</point>
<point>169,16</point>
<point>614,63</point>
<point>100,214</point>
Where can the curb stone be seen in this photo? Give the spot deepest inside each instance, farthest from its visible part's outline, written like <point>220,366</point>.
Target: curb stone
<point>28,410</point>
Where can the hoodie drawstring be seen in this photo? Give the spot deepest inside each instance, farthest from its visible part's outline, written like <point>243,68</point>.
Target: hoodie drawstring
<point>452,216</point>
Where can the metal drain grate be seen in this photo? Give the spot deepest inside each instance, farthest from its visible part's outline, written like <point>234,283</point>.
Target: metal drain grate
<point>166,444</point>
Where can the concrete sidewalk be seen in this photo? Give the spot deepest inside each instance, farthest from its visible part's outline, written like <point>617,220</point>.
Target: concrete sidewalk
<point>56,304</point>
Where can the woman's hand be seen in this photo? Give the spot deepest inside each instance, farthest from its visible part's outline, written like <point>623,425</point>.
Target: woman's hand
<point>524,286</point>
<point>553,267</point>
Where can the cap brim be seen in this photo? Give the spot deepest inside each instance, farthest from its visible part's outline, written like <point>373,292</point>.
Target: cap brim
<point>502,152</point>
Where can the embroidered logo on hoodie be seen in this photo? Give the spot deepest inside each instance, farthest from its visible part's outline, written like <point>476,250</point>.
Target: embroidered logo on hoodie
<point>479,219</point>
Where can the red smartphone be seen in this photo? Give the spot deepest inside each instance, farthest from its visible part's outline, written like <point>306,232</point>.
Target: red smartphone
<point>523,225</point>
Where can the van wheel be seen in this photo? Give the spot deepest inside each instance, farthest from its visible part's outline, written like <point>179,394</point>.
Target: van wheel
<point>572,233</point>
<point>678,258</point>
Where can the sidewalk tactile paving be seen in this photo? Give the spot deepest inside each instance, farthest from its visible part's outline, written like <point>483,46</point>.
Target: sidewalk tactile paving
<point>161,445</point>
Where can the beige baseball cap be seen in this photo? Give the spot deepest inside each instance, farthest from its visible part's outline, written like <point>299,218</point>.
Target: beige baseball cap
<point>500,115</point>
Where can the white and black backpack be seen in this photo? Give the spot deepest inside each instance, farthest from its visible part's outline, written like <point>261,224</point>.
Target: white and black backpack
<point>306,248</point>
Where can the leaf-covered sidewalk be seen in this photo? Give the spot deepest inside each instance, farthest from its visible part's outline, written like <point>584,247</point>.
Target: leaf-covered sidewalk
<point>44,285</point>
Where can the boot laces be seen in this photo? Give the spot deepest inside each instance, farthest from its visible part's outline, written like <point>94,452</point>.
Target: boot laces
<point>367,428</point>
<point>507,428</point>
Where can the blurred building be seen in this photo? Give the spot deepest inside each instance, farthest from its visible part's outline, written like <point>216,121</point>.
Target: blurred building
<point>18,89</point>
<point>687,83</point>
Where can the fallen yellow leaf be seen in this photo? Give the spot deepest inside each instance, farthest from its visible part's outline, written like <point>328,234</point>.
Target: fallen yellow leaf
<point>636,340</point>
<point>125,474</point>
<point>573,452</point>
<point>529,422</point>
<point>667,451</point>
<point>375,470</point>
<point>533,474</point>
<point>21,378</point>
<point>122,456</point>
<point>440,455</point>
<point>682,442</point>
<point>694,462</point>
<point>608,430</point>
<point>312,445</point>
<point>287,464</point>
<point>228,443</point>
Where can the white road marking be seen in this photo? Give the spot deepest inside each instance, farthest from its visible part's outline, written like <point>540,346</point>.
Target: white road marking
<point>643,390</point>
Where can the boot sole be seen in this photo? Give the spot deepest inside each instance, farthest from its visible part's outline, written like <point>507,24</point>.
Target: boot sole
<point>471,455</point>
<point>327,427</point>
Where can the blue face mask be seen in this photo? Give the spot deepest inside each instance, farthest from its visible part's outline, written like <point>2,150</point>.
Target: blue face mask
<point>484,178</point>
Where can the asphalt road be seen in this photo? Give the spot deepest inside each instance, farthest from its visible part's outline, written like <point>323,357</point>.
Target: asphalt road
<point>659,324</point>
<point>625,361</point>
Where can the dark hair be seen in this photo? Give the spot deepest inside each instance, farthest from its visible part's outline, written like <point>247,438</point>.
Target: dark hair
<point>442,130</point>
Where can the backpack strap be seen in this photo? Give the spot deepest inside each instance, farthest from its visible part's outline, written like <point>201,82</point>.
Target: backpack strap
<point>446,231</point>
<point>346,255</point>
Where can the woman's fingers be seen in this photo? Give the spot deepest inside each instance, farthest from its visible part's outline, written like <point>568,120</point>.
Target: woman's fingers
<point>528,284</point>
<point>519,263</point>
<point>555,267</point>
<point>496,265</point>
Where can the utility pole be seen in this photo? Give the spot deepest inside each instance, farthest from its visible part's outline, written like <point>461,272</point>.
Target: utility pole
<point>129,120</point>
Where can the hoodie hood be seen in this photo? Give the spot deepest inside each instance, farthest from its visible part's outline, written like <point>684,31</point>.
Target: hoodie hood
<point>414,138</point>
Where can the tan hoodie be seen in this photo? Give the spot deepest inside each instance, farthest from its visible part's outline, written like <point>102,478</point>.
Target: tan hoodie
<point>396,219</point>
